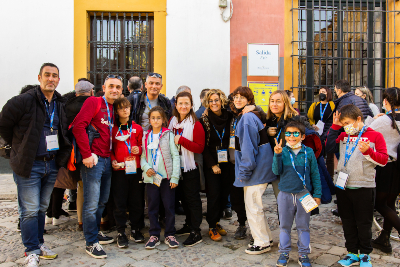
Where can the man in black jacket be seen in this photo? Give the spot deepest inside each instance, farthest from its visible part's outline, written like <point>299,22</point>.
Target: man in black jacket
<point>35,125</point>
<point>150,97</point>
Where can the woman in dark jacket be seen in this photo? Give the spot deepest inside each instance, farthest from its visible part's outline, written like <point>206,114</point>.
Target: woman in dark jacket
<point>215,158</point>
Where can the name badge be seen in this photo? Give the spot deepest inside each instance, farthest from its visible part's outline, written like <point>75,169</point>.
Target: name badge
<point>232,142</point>
<point>157,179</point>
<point>342,180</point>
<point>181,161</point>
<point>222,155</point>
<point>52,141</point>
<point>308,202</point>
<point>130,165</point>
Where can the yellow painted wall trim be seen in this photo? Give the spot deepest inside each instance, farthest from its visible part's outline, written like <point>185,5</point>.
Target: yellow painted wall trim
<point>82,29</point>
<point>291,27</point>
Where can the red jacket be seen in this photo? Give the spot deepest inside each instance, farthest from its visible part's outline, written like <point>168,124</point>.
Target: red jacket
<point>120,150</point>
<point>197,145</point>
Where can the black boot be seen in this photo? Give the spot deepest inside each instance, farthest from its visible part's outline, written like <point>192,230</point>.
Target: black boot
<point>382,242</point>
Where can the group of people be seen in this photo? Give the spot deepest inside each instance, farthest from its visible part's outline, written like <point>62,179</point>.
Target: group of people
<point>146,150</point>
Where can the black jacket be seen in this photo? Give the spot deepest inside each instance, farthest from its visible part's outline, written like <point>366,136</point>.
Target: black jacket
<point>138,102</point>
<point>73,106</point>
<point>21,122</point>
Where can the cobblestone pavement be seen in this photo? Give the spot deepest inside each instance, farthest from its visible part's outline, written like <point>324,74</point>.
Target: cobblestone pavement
<point>327,244</point>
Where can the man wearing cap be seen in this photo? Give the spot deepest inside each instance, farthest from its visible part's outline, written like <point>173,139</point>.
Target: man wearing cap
<point>96,163</point>
<point>150,97</point>
<point>35,124</point>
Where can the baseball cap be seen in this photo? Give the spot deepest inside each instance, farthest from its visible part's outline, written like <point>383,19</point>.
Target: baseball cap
<point>83,87</point>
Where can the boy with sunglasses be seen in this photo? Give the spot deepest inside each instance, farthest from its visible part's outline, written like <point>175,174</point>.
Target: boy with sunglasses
<point>297,166</point>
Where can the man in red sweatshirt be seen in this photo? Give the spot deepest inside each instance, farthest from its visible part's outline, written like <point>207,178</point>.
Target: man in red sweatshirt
<point>96,163</point>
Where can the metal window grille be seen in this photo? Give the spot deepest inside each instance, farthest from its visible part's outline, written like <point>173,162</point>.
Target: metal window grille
<point>120,44</point>
<point>342,39</point>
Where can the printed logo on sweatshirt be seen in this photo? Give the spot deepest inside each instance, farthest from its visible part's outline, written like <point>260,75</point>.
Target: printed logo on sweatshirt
<point>106,122</point>
<point>354,138</point>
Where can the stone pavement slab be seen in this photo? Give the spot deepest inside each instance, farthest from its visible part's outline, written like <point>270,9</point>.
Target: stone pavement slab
<point>8,189</point>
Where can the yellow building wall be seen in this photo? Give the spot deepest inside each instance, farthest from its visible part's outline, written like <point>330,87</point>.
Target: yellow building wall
<point>393,30</point>
<point>82,29</point>
<point>291,26</point>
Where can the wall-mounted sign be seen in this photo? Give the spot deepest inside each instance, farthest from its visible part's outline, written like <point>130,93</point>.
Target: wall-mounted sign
<point>262,59</point>
<point>261,92</point>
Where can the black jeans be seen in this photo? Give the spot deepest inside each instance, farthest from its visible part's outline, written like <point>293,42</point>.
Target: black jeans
<point>128,193</point>
<point>356,209</point>
<point>190,186</point>
<point>237,197</point>
<point>218,189</point>
<point>165,195</point>
<point>55,205</point>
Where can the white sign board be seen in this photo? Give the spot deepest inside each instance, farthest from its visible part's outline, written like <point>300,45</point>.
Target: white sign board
<point>262,59</point>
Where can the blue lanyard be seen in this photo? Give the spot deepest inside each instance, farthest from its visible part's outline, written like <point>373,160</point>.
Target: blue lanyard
<point>126,143</point>
<point>148,101</point>
<point>110,123</point>
<point>388,112</point>
<point>154,155</point>
<point>52,114</point>
<point>219,136</point>
<point>234,127</point>
<point>347,155</point>
<point>303,179</point>
<point>321,113</point>
<point>279,134</point>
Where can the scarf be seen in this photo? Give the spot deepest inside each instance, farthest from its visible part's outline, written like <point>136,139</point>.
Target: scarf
<point>187,125</point>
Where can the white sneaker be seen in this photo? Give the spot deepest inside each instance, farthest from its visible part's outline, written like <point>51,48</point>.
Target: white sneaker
<point>46,253</point>
<point>48,220</point>
<point>61,220</point>
<point>32,260</point>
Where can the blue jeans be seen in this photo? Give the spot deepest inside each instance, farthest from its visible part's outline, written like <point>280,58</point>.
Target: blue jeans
<point>33,200</point>
<point>96,190</point>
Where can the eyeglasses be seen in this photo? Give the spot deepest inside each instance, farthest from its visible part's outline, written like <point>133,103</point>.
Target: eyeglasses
<point>213,101</point>
<point>154,75</point>
<point>112,76</point>
<point>295,134</point>
<point>124,108</point>
<point>239,98</point>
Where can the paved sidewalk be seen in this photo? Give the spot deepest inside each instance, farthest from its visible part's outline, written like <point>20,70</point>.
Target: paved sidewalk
<point>326,237</point>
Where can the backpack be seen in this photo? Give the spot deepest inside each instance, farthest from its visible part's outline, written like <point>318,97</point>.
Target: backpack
<point>398,146</point>
<point>92,132</point>
<point>5,149</point>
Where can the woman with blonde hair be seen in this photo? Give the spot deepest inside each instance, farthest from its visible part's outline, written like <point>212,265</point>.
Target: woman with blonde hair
<point>215,155</point>
<point>366,94</point>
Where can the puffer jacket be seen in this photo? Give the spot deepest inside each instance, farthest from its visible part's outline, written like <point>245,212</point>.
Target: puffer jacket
<point>73,106</point>
<point>169,164</point>
<point>21,122</point>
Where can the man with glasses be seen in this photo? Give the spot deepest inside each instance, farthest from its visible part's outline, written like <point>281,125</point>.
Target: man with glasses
<point>96,163</point>
<point>35,124</point>
<point>151,97</point>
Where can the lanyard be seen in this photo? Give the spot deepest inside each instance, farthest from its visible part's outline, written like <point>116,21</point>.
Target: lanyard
<point>109,121</point>
<point>279,134</point>
<point>347,155</point>
<point>126,143</point>
<point>388,112</point>
<point>148,101</point>
<point>303,179</point>
<point>234,127</point>
<point>52,114</point>
<point>321,113</point>
<point>219,136</point>
<point>154,156</point>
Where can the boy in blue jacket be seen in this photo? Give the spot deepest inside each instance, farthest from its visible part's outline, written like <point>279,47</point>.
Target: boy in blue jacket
<point>298,169</point>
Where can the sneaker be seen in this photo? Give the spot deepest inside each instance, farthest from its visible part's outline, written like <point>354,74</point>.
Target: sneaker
<point>271,242</point>
<point>193,239</point>
<point>255,250</point>
<point>228,213</point>
<point>48,220</point>
<point>60,220</point>
<point>214,235</point>
<point>19,225</point>
<point>137,236</point>
<point>335,212</point>
<point>283,259</point>
<point>185,230</point>
<point>71,206</point>
<point>122,240</point>
<point>365,260</point>
<point>240,232</point>
<point>96,251</point>
<point>46,253</point>
<point>152,243</point>
<point>304,261</point>
<point>221,230</point>
<point>349,260</point>
<point>103,239</point>
<point>171,242</point>
<point>32,260</point>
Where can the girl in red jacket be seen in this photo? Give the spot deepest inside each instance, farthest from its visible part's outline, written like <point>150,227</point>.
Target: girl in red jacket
<point>126,184</point>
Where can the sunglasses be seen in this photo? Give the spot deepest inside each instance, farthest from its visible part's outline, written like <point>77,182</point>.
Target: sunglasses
<point>112,76</point>
<point>154,75</point>
<point>295,134</point>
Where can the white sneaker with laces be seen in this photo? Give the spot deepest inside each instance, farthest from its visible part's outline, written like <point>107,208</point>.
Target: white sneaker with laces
<point>48,220</point>
<point>60,220</point>
<point>46,253</point>
<point>32,260</point>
